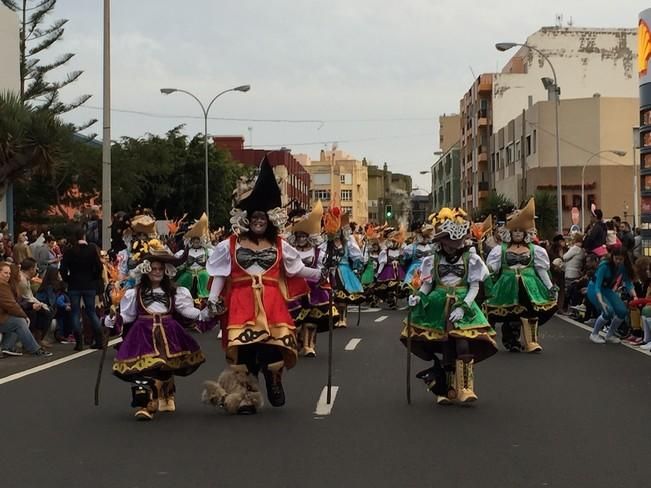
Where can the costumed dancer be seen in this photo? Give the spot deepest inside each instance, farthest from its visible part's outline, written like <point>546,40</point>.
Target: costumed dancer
<point>445,320</point>
<point>255,273</point>
<point>371,264</point>
<point>155,347</point>
<point>414,253</point>
<point>310,312</point>
<point>391,274</point>
<point>613,268</point>
<point>142,228</point>
<point>192,273</point>
<point>523,290</point>
<point>348,288</point>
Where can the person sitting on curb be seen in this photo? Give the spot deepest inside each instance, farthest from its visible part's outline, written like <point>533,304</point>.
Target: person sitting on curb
<point>14,324</point>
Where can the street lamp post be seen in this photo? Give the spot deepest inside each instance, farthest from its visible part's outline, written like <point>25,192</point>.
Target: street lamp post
<point>616,152</point>
<point>505,46</point>
<point>205,110</point>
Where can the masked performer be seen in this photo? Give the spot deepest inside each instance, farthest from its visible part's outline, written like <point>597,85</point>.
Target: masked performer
<point>371,264</point>
<point>445,319</point>
<point>391,274</point>
<point>192,273</point>
<point>310,312</point>
<point>522,289</point>
<point>155,347</point>
<point>142,229</point>
<point>348,288</point>
<point>255,273</point>
<point>418,250</point>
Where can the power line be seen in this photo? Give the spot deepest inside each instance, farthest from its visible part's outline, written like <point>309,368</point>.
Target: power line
<point>240,119</point>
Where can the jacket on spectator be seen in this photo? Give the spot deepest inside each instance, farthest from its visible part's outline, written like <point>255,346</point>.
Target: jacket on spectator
<point>596,236</point>
<point>81,267</point>
<point>574,259</point>
<point>8,304</point>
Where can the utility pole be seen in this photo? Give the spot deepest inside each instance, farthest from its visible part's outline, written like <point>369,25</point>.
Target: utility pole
<point>106,132</point>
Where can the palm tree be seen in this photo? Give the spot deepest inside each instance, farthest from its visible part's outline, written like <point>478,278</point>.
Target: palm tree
<point>32,140</point>
<point>496,204</point>
<point>546,217</point>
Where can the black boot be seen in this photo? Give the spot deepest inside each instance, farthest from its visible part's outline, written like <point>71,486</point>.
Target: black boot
<point>98,339</point>
<point>272,376</point>
<point>79,341</point>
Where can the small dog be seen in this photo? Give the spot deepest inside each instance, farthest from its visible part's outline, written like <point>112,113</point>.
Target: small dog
<point>236,391</point>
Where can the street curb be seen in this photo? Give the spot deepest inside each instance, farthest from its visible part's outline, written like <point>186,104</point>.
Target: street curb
<point>589,329</point>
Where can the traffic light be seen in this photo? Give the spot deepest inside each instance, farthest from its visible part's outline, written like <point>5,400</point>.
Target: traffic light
<point>388,211</point>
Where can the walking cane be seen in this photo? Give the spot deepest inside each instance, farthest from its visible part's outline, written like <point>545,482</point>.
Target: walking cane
<point>105,335</point>
<point>329,264</point>
<point>409,357</point>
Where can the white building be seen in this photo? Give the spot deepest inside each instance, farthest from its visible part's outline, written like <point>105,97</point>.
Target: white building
<point>10,72</point>
<point>586,60</point>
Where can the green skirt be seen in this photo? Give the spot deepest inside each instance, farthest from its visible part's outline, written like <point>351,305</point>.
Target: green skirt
<point>198,288</point>
<point>518,294</point>
<point>429,327</point>
<point>368,276</point>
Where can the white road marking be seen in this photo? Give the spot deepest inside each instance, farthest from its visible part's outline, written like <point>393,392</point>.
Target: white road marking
<point>322,407</point>
<point>589,329</point>
<point>219,334</point>
<point>352,344</point>
<point>402,309</point>
<point>52,364</point>
<point>354,308</point>
<point>381,318</point>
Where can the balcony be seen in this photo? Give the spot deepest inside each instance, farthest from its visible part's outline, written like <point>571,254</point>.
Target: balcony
<point>485,84</point>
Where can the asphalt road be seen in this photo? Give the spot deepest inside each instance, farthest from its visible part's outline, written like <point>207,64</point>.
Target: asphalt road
<point>573,416</point>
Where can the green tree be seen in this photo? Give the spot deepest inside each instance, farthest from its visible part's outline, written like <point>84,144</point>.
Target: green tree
<point>496,204</point>
<point>547,218</point>
<point>34,39</point>
<point>32,141</point>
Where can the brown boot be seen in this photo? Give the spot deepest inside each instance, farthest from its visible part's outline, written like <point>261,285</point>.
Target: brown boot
<point>166,402</point>
<point>147,412</point>
<point>465,381</point>
<point>530,335</point>
<point>309,341</point>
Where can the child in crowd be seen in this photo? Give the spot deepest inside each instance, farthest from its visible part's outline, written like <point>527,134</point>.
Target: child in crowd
<point>63,316</point>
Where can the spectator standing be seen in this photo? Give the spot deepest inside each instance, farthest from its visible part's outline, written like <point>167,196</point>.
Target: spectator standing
<point>574,260</point>
<point>81,269</point>
<point>13,320</point>
<point>596,234</point>
<point>21,249</point>
<point>44,254</point>
<point>556,252</point>
<point>637,245</point>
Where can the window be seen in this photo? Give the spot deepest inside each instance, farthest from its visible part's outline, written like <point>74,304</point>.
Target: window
<point>347,210</point>
<point>528,153</point>
<point>346,179</point>
<point>321,178</point>
<point>346,195</point>
<point>517,151</point>
<point>534,141</point>
<point>322,194</point>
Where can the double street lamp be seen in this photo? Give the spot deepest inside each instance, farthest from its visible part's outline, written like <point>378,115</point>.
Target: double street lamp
<point>505,46</point>
<point>205,110</point>
<point>616,152</point>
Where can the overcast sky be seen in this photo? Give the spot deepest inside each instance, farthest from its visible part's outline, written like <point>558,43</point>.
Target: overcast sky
<point>378,73</point>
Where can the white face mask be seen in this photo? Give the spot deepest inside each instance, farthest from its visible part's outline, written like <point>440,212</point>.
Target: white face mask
<point>517,236</point>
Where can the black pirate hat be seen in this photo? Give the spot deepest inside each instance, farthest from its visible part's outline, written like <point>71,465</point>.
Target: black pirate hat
<point>265,194</point>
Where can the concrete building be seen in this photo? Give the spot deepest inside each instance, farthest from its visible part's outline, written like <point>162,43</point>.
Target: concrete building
<point>586,60</point>
<point>449,130</point>
<point>421,206</point>
<point>446,187</point>
<point>476,128</point>
<point>526,145</point>
<point>339,172</point>
<point>388,190</point>
<point>9,74</point>
<point>294,178</point>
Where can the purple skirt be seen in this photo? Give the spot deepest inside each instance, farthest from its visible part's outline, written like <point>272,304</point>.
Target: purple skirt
<point>391,273</point>
<point>313,308</point>
<point>157,347</point>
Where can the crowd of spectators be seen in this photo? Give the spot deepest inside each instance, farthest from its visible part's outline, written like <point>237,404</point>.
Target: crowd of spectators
<point>43,282</point>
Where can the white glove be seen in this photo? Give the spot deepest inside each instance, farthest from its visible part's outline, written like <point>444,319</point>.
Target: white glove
<point>109,322</point>
<point>413,300</point>
<point>456,314</point>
